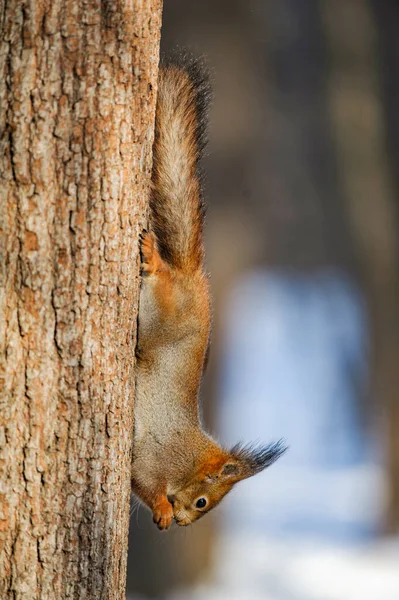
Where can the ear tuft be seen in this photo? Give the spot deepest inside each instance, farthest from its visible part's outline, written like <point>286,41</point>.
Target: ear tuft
<point>254,459</point>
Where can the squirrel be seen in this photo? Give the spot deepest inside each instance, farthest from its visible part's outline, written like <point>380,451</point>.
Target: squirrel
<point>179,471</point>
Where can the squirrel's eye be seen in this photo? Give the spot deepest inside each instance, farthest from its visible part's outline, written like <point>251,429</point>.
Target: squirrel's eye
<point>201,503</point>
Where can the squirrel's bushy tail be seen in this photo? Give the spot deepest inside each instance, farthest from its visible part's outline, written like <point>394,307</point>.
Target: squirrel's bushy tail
<point>177,208</point>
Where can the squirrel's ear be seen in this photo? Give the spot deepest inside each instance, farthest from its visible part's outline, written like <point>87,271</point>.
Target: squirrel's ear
<point>230,471</point>
<point>226,470</point>
<point>249,460</point>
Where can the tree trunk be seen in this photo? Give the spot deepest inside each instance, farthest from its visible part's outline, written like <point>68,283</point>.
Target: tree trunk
<point>77,101</point>
<point>386,14</point>
<point>364,166</point>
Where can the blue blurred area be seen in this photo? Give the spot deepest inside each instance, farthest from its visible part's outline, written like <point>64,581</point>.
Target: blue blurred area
<point>295,364</point>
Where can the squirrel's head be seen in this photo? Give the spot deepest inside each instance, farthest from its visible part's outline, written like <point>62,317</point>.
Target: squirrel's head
<point>215,478</point>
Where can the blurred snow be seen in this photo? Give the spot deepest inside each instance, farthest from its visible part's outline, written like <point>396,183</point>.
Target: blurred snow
<point>252,567</point>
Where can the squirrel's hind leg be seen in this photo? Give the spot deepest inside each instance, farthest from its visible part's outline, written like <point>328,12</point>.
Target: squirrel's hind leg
<point>152,262</point>
<point>157,296</point>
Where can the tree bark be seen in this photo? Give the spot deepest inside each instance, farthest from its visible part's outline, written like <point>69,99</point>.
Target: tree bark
<point>77,102</point>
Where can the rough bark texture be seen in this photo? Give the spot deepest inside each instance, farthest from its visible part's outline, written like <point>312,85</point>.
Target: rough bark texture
<point>77,100</point>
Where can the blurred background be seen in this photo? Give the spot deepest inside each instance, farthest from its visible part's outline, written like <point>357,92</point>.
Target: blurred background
<point>302,181</point>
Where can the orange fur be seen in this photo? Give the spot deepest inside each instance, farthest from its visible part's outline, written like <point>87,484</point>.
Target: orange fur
<point>177,467</point>
<point>176,202</point>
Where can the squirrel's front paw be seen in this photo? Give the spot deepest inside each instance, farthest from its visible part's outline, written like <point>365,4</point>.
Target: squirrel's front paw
<point>163,515</point>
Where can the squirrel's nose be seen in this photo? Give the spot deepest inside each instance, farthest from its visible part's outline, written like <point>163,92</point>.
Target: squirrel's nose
<point>171,498</point>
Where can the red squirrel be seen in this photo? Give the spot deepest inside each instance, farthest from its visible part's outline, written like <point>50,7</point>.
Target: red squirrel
<point>179,471</point>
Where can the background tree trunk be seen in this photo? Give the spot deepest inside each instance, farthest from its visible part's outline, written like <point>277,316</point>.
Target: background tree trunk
<point>368,180</point>
<point>386,15</point>
<point>77,100</point>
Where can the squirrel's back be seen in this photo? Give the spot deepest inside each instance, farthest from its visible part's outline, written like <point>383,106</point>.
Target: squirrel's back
<point>177,208</point>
